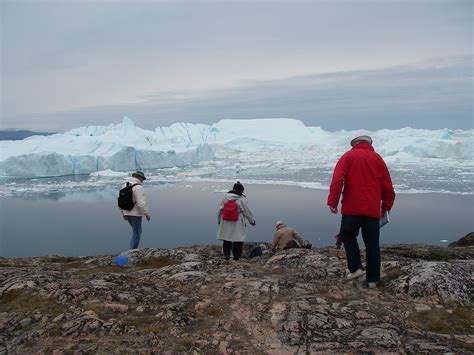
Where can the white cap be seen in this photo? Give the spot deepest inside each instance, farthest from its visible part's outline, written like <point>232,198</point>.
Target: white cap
<point>361,139</point>
<point>278,223</point>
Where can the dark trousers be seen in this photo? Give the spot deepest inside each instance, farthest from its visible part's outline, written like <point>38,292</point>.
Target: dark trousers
<point>350,226</point>
<point>236,249</point>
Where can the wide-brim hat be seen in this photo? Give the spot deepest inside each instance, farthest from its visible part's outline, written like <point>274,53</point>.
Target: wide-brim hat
<point>139,174</point>
<point>361,139</point>
<point>279,223</point>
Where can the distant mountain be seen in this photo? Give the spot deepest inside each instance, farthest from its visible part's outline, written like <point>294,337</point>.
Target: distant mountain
<point>14,135</point>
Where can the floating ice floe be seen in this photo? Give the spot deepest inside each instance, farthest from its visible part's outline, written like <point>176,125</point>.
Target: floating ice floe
<point>109,173</point>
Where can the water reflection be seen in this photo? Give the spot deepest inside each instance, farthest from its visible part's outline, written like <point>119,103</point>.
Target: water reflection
<point>89,223</point>
<point>107,194</point>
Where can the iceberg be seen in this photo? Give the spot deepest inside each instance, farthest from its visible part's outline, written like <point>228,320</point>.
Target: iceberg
<point>85,150</point>
<point>255,134</point>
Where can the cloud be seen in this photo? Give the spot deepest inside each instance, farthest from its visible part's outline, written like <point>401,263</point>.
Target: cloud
<point>62,54</point>
<point>434,94</point>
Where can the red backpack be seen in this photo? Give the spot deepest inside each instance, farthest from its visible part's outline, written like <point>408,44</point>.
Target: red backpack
<point>231,211</point>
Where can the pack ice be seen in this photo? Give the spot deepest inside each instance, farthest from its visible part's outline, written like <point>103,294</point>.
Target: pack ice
<point>281,141</point>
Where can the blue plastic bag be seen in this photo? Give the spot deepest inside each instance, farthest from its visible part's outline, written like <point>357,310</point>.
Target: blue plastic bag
<point>121,260</point>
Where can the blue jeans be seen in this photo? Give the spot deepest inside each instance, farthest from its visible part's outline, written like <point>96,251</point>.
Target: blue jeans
<point>350,226</point>
<point>136,223</point>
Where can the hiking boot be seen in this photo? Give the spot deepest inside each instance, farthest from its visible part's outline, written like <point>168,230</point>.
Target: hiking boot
<point>355,274</point>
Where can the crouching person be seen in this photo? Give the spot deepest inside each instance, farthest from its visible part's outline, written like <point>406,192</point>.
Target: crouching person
<point>231,217</point>
<point>287,238</point>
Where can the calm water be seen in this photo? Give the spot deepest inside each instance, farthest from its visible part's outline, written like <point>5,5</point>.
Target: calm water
<point>88,223</point>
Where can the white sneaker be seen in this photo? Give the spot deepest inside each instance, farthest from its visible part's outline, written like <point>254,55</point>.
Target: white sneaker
<point>355,274</point>
<point>372,284</point>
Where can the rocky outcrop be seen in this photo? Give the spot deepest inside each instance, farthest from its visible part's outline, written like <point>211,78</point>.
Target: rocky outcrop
<point>191,300</point>
<point>446,281</point>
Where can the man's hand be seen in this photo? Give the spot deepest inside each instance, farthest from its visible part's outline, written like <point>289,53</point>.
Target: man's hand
<point>333,209</point>
<point>148,218</point>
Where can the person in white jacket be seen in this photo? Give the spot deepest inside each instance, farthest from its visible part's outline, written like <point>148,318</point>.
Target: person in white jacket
<point>232,232</point>
<point>134,216</point>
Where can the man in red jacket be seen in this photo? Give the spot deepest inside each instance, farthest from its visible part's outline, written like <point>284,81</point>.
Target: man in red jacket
<point>368,192</point>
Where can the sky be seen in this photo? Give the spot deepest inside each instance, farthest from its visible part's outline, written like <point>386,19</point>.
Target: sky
<point>335,64</point>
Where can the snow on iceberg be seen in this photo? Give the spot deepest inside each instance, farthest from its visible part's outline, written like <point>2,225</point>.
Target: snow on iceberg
<point>247,134</point>
<point>121,147</point>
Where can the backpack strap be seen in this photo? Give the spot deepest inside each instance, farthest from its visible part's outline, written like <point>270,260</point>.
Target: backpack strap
<point>241,209</point>
<point>132,186</point>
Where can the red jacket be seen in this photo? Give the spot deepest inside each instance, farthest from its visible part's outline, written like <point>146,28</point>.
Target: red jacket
<point>367,184</point>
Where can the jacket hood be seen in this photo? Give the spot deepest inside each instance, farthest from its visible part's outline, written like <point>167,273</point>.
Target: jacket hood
<point>232,197</point>
<point>134,180</point>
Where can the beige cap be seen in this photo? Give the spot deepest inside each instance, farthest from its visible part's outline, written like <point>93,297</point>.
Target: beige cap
<point>361,139</point>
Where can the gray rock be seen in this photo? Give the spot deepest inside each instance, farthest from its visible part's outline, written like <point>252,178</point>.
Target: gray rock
<point>26,322</point>
<point>188,275</point>
<point>380,336</point>
<point>72,327</point>
<point>450,282</point>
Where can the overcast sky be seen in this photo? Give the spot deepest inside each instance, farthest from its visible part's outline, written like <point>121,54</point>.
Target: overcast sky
<point>335,64</point>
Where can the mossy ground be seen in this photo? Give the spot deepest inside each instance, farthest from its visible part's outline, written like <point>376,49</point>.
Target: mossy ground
<point>435,255</point>
<point>25,301</point>
<point>456,320</point>
<point>63,259</point>
<point>150,263</point>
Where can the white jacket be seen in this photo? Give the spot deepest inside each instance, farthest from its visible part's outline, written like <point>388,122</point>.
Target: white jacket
<point>140,208</point>
<point>230,230</point>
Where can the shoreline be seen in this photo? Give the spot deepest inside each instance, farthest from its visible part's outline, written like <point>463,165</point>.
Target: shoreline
<point>247,245</point>
<point>172,183</point>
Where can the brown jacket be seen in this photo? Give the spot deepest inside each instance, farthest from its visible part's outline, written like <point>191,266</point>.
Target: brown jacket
<point>283,235</point>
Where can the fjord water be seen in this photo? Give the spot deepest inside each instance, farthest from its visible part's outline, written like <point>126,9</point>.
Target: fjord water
<point>184,214</point>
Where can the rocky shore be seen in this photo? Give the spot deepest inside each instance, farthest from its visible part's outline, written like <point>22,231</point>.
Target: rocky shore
<point>191,300</point>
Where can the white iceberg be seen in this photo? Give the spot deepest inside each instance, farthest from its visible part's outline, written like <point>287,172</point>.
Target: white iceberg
<point>121,147</point>
<point>257,134</point>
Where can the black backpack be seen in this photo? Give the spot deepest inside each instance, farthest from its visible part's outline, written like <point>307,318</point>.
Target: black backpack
<point>125,199</point>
